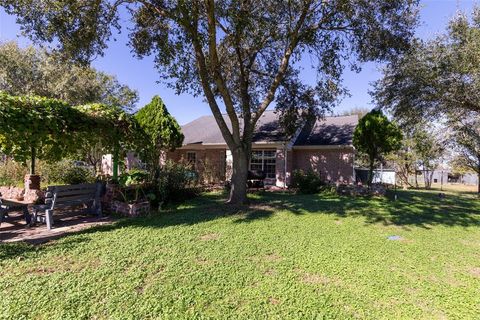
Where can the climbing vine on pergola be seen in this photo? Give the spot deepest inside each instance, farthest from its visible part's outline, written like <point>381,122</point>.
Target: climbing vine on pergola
<point>114,129</point>
<point>34,128</point>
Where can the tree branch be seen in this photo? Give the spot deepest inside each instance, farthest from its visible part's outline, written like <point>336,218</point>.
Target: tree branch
<point>203,73</point>
<point>283,65</point>
<point>215,68</point>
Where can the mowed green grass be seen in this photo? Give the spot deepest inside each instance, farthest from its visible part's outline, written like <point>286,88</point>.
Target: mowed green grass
<point>283,257</point>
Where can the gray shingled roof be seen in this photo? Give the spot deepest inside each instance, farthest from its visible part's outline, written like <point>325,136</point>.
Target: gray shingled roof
<point>204,130</point>
<point>329,131</point>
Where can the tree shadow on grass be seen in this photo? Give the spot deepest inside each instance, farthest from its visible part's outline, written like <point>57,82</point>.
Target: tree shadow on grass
<point>412,209</point>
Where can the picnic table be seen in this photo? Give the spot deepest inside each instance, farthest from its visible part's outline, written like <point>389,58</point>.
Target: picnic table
<point>9,205</point>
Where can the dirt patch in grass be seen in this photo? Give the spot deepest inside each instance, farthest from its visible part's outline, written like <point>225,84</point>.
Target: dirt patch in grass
<point>202,261</point>
<point>64,265</point>
<point>43,270</point>
<point>475,272</point>
<point>429,309</point>
<point>210,237</point>
<point>273,257</point>
<point>273,301</point>
<point>313,278</point>
<point>271,272</point>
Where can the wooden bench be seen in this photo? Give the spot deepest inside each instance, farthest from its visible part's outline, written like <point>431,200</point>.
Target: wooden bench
<point>62,197</point>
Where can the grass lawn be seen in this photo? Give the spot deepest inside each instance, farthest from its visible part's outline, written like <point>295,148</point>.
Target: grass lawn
<point>286,256</point>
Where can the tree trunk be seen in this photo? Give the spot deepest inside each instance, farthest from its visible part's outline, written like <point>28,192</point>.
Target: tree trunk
<point>425,177</point>
<point>238,191</point>
<point>430,179</point>
<point>478,189</point>
<point>428,176</point>
<point>370,172</point>
<point>416,178</point>
<point>32,164</point>
<point>115,164</point>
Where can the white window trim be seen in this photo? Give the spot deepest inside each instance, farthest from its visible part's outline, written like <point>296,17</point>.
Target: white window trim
<point>263,158</point>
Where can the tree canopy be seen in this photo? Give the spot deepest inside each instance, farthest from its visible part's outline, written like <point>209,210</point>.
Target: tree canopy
<point>32,71</point>
<point>404,160</point>
<point>161,128</point>
<point>438,78</point>
<point>241,55</point>
<point>375,136</point>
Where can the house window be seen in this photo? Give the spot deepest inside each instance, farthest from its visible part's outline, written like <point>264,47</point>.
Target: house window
<point>263,160</point>
<point>191,159</point>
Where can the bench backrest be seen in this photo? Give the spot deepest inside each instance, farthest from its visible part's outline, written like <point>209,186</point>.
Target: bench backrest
<point>71,195</point>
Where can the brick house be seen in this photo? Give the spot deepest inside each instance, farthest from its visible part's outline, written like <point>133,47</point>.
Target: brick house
<point>324,147</point>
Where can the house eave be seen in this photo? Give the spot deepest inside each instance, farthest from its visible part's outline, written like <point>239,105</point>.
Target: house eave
<point>324,147</point>
<point>255,145</point>
<point>201,146</point>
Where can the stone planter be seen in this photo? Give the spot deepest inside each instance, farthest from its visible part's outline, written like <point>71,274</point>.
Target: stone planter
<point>130,210</point>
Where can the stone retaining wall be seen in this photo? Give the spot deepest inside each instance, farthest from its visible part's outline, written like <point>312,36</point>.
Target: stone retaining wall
<point>359,190</point>
<point>130,210</point>
<point>33,196</point>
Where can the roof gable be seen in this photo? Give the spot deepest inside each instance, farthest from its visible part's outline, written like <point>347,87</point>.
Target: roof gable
<point>329,131</point>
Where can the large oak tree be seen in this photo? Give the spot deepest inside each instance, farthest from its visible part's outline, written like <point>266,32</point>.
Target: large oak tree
<point>437,79</point>
<point>239,54</point>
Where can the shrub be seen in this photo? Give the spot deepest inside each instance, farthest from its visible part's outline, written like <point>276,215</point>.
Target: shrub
<point>77,175</point>
<point>136,187</point>
<point>65,172</point>
<point>12,173</point>
<point>176,182</point>
<point>307,182</point>
<point>134,177</point>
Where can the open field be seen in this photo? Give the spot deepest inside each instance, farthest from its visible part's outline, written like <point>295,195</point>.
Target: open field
<point>284,256</point>
<point>455,187</point>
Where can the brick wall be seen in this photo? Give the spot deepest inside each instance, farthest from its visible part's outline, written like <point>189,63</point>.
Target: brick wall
<point>334,165</point>
<point>210,163</point>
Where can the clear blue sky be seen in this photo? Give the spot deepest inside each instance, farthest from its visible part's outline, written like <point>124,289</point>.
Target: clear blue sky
<point>142,76</point>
